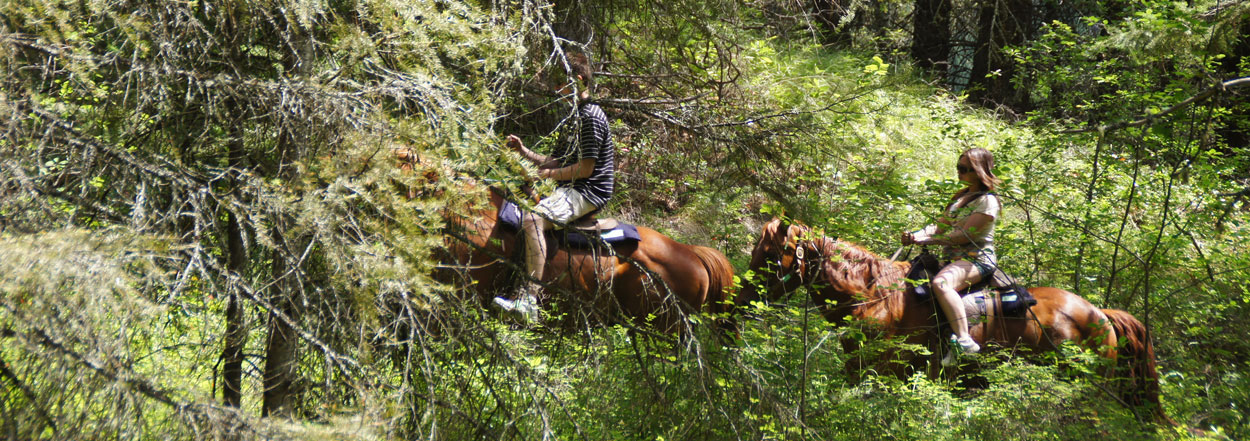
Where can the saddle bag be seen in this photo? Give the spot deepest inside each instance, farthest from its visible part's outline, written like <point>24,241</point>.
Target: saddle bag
<point>1015,298</point>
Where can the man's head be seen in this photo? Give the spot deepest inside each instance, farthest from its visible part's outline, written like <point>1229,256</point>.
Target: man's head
<point>579,63</point>
<point>580,71</point>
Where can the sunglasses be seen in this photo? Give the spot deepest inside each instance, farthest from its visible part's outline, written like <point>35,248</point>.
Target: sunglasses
<point>961,169</point>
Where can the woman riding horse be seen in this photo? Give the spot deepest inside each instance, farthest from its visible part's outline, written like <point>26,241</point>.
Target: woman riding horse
<point>853,285</point>
<point>966,233</point>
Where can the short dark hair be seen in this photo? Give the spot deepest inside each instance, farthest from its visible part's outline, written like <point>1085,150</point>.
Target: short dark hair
<point>579,63</point>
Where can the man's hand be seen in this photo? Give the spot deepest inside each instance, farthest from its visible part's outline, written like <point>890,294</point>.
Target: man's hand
<point>514,143</point>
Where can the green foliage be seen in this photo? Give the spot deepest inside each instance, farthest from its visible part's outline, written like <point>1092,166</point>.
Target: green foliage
<point>165,161</point>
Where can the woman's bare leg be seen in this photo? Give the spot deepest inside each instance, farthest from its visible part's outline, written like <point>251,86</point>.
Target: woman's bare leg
<point>954,277</point>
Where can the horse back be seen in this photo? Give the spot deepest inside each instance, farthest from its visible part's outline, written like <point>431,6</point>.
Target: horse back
<point>697,275</point>
<point>678,264</point>
<point>1059,316</point>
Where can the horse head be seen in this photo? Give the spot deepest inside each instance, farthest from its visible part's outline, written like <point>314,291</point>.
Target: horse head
<point>779,260</point>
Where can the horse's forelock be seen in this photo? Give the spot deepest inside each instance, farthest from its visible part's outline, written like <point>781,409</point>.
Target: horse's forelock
<point>783,230</point>
<point>798,230</point>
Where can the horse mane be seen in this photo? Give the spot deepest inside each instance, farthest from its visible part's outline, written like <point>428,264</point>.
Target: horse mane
<point>861,274</point>
<point>858,272</point>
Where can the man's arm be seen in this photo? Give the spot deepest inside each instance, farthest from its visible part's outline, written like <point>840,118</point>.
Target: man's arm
<point>542,161</point>
<point>581,170</point>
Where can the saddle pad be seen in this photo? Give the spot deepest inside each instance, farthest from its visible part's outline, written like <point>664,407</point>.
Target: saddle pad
<point>510,216</point>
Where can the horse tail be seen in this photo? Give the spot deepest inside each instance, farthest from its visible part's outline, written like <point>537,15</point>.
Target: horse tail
<point>720,278</point>
<point>1137,373</point>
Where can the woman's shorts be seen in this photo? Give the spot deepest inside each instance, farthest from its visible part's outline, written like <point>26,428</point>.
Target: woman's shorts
<point>564,205</point>
<point>986,269</point>
<point>983,259</point>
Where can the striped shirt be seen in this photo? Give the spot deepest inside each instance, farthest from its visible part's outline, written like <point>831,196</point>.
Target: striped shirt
<point>593,139</point>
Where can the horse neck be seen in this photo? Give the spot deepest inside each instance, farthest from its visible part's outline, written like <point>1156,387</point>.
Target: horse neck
<point>477,225</point>
<point>866,293</point>
<point>831,291</point>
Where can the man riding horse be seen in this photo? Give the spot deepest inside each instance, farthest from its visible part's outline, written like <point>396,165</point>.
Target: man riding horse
<point>584,170</point>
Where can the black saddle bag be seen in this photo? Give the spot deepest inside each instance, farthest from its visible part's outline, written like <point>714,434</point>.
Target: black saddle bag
<point>1015,298</point>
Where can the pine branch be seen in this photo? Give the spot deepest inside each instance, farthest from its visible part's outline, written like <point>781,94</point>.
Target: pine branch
<point>8,374</point>
<point>1148,119</point>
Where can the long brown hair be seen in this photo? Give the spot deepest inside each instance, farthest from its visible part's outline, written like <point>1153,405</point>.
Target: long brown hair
<point>983,164</point>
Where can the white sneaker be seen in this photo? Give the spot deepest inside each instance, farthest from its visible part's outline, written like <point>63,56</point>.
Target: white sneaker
<point>524,309</point>
<point>957,347</point>
<point>968,345</point>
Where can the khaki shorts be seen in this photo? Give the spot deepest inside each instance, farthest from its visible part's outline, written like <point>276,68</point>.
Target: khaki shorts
<point>974,307</point>
<point>564,205</point>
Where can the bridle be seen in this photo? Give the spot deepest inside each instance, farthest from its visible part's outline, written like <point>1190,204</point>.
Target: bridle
<point>807,266</point>
<point>800,264</point>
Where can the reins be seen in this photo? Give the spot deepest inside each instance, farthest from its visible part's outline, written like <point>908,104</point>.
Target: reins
<point>802,268</point>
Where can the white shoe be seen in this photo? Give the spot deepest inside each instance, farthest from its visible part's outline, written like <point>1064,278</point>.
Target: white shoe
<point>968,345</point>
<point>958,347</point>
<point>524,309</point>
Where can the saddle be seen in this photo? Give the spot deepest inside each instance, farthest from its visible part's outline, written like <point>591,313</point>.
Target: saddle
<point>590,222</point>
<point>586,232</point>
<point>1015,299</point>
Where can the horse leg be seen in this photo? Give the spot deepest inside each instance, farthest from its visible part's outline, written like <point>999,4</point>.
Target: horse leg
<point>633,289</point>
<point>855,365</point>
<point>727,329</point>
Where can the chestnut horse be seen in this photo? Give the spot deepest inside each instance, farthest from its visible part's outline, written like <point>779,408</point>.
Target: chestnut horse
<point>655,279</point>
<point>849,283</point>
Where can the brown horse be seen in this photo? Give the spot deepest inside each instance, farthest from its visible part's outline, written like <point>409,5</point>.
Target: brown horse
<point>655,279</point>
<point>849,283</point>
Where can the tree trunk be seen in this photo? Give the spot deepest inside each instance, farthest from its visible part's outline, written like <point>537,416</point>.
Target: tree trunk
<point>931,34</point>
<point>1236,133</point>
<point>984,46</point>
<point>572,22</point>
<point>281,349</point>
<point>236,335</point>
<point>1002,23</point>
<point>281,355</point>
<point>1019,28</point>
<point>829,14</point>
